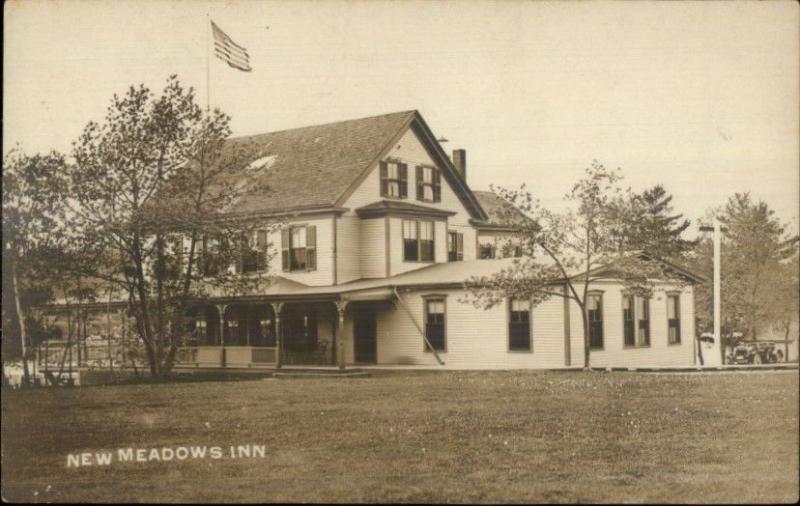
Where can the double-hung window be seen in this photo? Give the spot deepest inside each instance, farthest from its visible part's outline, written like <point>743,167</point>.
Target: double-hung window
<point>435,324</point>
<point>635,320</point>
<point>643,321</point>
<point>674,318</point>
<point>418,243</point>
<point>455,246</point>
<point>299,248</point>
<point>594,309</point>
<point>213,256</point>
<point>628,319</point>
<point>429,184</point>
<point>519,325</point>
<point>254,252</point>
<point>394,179</point>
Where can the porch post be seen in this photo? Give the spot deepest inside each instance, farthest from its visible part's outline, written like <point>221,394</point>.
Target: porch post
<point>276,308</point>
<point>341,306</point>
<point>221,308</point>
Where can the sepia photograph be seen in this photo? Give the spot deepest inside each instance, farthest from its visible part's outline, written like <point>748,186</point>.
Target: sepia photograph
<point>430,251</point>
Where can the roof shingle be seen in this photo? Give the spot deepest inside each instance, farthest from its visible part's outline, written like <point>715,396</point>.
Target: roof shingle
<point>312,166</point>
<point>499,210</point>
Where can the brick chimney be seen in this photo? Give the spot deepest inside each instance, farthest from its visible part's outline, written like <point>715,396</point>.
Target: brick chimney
<point>460,162</point>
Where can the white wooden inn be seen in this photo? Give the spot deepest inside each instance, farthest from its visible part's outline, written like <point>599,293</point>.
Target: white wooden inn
<point>381,232</point>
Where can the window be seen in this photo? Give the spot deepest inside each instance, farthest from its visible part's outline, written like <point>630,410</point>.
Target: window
<point>519,325</point>
<point>486,250</point>
<point>254,252</point>
<point>643,328</point>
<point>434,324</point>
<point>418,244</point>
<point>510,248</point>
<point>636,320</point>
<point>410,241</point>
<point>628,320</point>
<point>594,306</point>
<point>394,179</point>
<point>429,185</point>
<point>674,318</point>
<point>455,246</point>
<point>212,261</point>
<point>299,248</point>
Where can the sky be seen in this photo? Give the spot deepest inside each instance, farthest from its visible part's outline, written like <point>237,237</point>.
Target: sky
<point>700,97</point>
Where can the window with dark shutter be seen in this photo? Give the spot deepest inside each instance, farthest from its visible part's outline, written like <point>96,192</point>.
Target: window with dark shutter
<point>628,320</point>
<point>297,248</point>
<point>403,180</point>
<point>419,182</point>
<point>384,170</point>
<point>311,247</point>
<point>285,243</point>
<point>429,186</point>
<point>261,247</point>
<point>437,186</point>
<point>455,246</point>
<point>594,303</point>
<point>394,179</point>
<point>519,325</point>
<point>213,255</point>
<point>674,318</point>
<point>643,315</point>
<point>254,252</point>
<point>435,324</point>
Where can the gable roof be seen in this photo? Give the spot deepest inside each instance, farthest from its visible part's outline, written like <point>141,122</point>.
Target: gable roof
<point>318,167</point>
<point>498,211</point>
<point>311,167</point>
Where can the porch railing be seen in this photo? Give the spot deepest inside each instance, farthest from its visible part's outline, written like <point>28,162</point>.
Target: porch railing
<point>234,356</point>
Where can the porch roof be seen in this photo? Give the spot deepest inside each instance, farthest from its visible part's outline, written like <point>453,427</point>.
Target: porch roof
<point>443,274</point>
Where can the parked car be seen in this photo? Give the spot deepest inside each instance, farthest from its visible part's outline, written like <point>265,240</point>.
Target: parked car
<point>755,353</point>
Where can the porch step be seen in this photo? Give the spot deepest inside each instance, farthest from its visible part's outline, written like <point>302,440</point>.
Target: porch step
<point>319,373</point>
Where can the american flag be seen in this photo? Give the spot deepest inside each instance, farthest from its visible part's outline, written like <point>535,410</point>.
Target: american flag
<point>228,51</point>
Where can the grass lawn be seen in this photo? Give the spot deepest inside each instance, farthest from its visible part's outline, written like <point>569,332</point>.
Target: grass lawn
<point>418,437</point>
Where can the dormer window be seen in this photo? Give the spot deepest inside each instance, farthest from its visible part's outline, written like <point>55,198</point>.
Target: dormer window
<point>394,180</point>
<point>429,184</point>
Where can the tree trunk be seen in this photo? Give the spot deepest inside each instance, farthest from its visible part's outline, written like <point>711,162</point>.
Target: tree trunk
<point>26,379</point>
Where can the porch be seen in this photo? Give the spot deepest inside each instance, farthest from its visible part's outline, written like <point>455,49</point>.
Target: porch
<point>275,334</point>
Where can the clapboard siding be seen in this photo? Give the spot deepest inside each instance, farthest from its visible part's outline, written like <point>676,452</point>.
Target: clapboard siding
<point>659,353</point>
<point>348,249</point>
<point>476,338</point>
<point>323,275</point>
<point>411,151</point>
<point>372,249</point>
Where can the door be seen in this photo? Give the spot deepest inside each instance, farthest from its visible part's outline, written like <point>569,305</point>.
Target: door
<point>365,337</point>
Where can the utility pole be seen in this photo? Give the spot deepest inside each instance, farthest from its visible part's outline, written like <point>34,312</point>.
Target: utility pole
<point>717,298</point>
<point>717,238</point>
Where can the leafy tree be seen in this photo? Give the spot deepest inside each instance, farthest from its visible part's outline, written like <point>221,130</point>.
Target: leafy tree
<point>647,222</point>
<point>756,256</point>
<point>563,254</point>
<point>150,197</point>
<point>31,210</point>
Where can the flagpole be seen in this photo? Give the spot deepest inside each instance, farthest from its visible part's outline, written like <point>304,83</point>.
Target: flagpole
<point>208,64</point>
